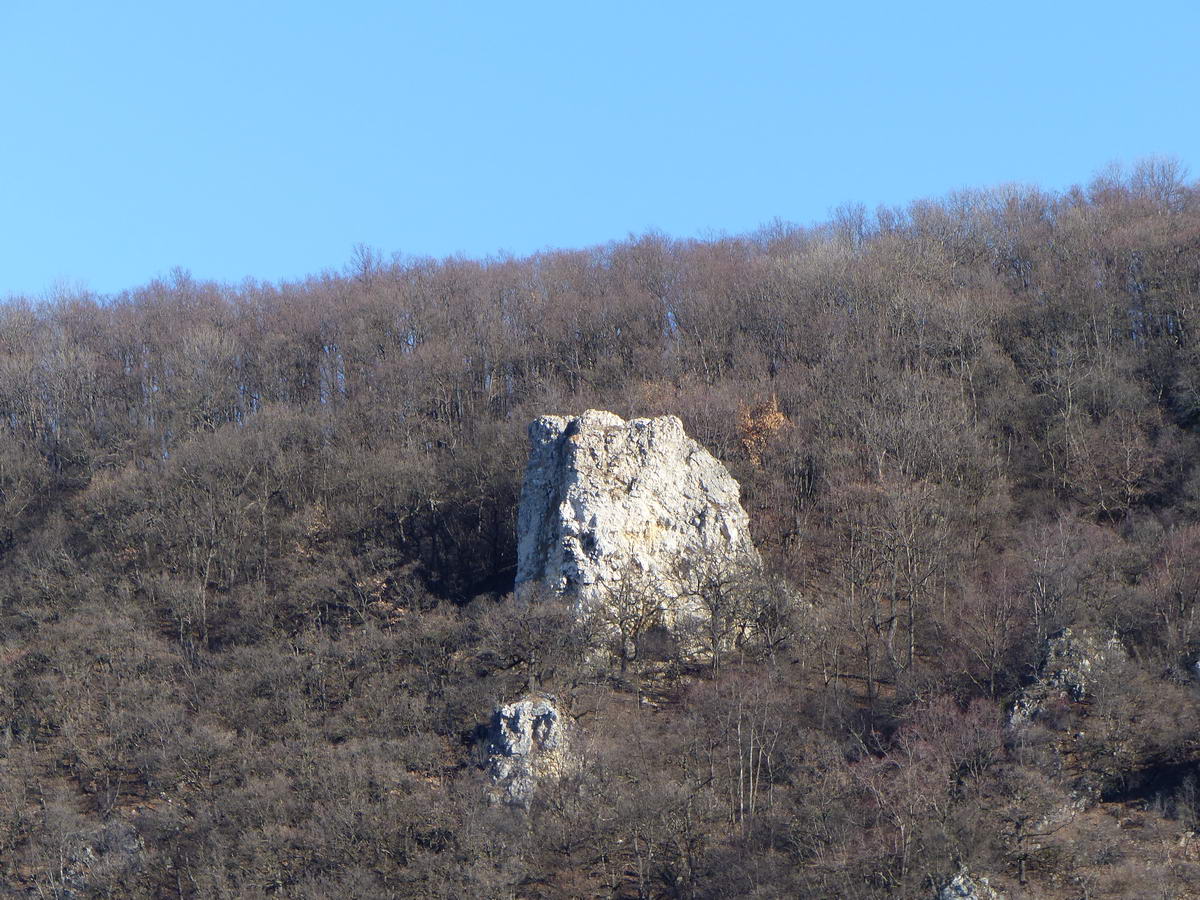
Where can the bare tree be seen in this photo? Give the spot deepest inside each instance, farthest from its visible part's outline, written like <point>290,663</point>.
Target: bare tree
<point>718,595</point>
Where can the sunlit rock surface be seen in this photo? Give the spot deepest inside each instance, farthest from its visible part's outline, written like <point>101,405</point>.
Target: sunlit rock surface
<point>1071,662</point>
<point>527,742</point>
<point>965,887</point>
<point>606,501</point>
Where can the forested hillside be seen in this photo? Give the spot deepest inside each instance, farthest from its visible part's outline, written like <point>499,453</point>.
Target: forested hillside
<point>257,542</point>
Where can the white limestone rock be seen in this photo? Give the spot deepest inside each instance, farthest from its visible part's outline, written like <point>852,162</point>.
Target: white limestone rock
<point>1072,660</point>
<point>527,742</point>
<point>965,887</point>
<point>606,501</point>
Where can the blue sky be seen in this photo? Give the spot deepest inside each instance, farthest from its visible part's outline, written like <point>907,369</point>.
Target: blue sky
<point>266,139</point>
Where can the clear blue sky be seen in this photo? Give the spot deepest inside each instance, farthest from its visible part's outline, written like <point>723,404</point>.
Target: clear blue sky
<point>266,139</point>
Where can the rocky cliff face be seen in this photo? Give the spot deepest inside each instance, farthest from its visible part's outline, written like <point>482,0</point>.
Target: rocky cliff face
<point>607,501</point>
<point>527,741</point>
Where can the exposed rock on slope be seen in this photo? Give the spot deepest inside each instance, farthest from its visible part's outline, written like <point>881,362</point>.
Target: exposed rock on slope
<point>964,887</point>
<point>1073,659</point>
<point>97,856</point>
<point>527,741</point>
<point>606,502</point>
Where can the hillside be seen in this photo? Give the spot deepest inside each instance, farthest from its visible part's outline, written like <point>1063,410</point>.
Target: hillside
<point>257,548</point>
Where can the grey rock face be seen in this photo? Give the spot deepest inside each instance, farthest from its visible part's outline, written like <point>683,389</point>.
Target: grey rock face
<point>1072,661</point>
<point>963,887</point>
<point>527,741</point>
<point>1075,658</point>
<point>605,501</point>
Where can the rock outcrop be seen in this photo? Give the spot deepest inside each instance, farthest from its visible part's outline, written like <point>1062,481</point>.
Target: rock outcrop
<point>527,742</point>
<point>965,887</point>
<point>1072,660</point>
<point>607,501</point>
<point>104,855</point>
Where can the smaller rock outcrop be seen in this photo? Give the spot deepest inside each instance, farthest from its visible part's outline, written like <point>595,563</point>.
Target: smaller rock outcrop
<point>964,886</point>
<point>108,854</point>
<point>1072,661</point>
<point>527,742</point>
